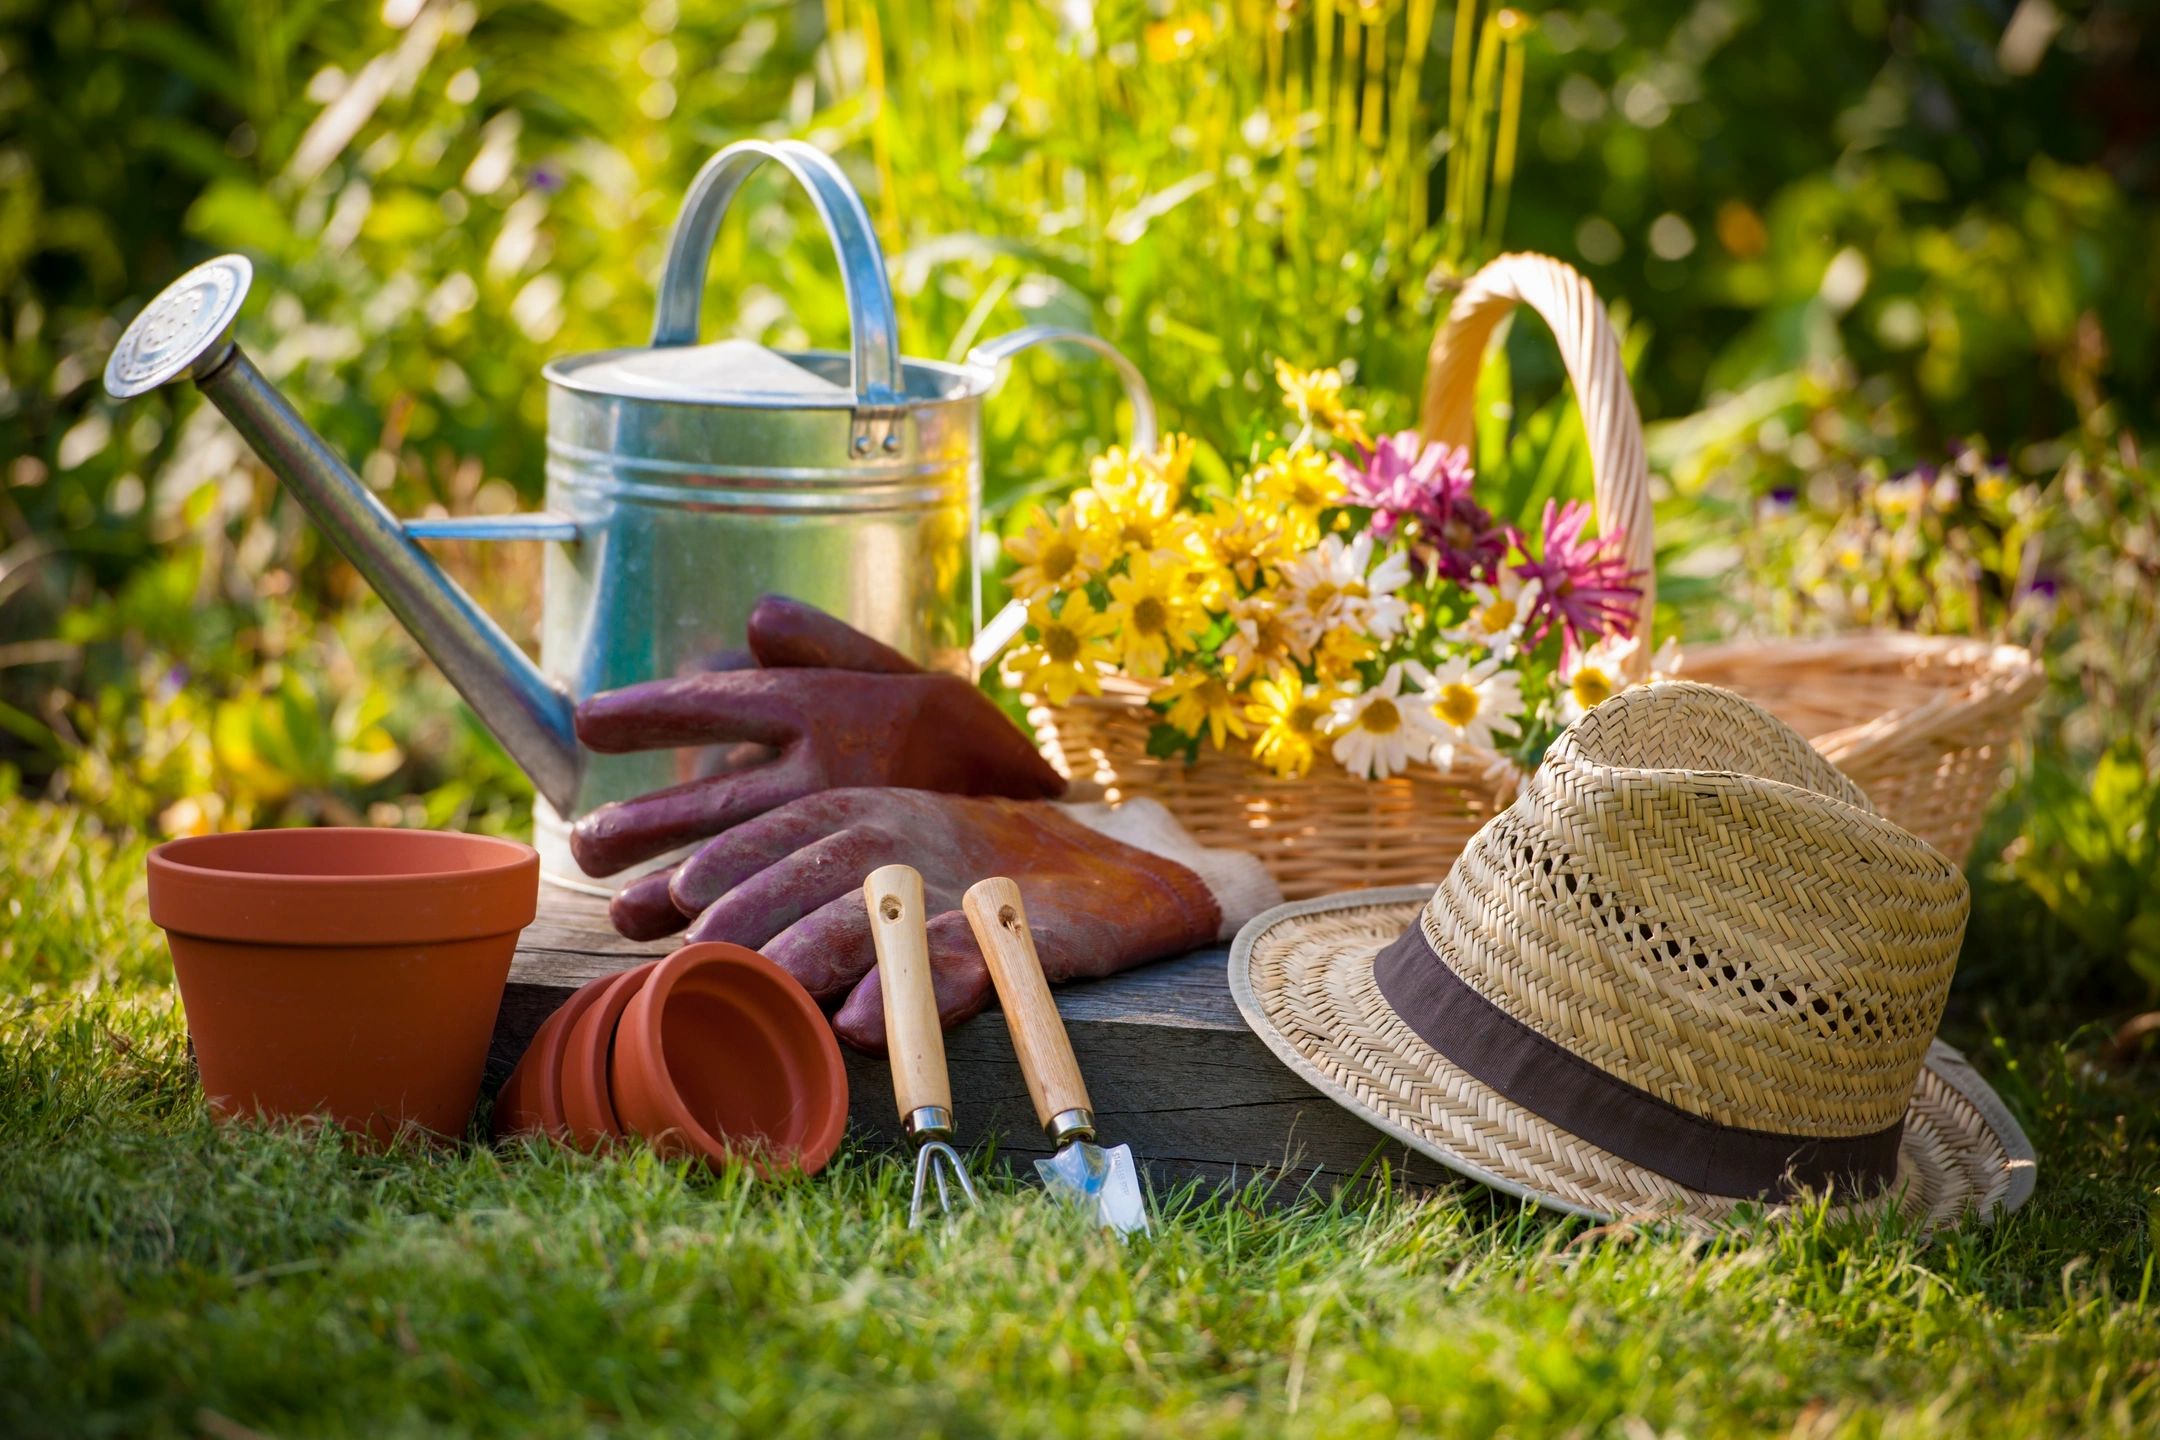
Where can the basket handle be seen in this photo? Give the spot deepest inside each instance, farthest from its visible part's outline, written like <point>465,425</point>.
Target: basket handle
<point>1591,351</point>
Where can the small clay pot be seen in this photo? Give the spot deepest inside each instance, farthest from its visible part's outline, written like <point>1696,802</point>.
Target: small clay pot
<point>588,1107</point>
<point>352,973</point>
<point>532,1098</point>
<point>722,1055</point>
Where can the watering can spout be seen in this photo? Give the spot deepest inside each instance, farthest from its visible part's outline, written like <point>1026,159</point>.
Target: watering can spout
<point>187,332</point>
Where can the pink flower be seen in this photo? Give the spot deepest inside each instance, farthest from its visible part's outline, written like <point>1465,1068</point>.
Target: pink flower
<point>1405,479</point>
<point>1584,586</point>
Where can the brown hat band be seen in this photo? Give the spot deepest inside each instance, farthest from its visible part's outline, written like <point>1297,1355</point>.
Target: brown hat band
<point>1546,1078</point>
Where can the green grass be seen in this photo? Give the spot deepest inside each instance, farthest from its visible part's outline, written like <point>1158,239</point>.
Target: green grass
<point>160,1275</point>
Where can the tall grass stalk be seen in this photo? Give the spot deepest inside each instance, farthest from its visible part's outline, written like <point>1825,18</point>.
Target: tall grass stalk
<point>1210,190</point>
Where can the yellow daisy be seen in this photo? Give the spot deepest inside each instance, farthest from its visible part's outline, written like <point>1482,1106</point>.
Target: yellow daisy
<point>1155,615</point>
<point>1244,540</point>
<point>1209,584</point>
<point>1201,699</point>
<point>1296,484</point>
<point>1317,397</point>
<point>1054,553</point>
<point>1341,651</point>
<point>1139,518</point>
<point>1069,653</point>
<point>1171,461</point>
<point>1295,721</point>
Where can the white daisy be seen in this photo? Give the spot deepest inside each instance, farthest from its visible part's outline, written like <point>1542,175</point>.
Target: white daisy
<point>1499,614</point>
<point>1594,676</point>
<point>1378,733</point>
<point>1330,589</point>
<point>1467,704</point>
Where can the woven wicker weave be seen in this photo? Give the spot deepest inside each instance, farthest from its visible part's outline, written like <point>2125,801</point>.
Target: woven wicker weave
<point>1922,725</point>
<point>1691,900</point>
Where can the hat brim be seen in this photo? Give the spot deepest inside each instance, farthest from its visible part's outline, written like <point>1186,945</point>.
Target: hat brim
<point>1302,975</point>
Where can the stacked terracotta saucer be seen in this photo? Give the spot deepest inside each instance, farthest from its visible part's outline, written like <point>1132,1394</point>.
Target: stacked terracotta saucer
<point>714,1052</point>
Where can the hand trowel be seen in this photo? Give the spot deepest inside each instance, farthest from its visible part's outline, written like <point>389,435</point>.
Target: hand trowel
<point>1102,1183</point>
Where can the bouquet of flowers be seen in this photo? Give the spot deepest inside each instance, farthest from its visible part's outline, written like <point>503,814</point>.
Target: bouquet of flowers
<point>1345,598</point>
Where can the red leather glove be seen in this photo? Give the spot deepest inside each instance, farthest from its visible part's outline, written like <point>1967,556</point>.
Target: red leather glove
<point>789,883</point>
<point>834,707</point>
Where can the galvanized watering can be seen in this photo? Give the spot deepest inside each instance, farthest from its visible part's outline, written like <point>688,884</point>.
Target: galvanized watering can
<point>683,481</point>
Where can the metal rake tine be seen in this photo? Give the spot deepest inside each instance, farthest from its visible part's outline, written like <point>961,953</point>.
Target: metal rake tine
<point>934,1160</point>
<point>922,1173</point>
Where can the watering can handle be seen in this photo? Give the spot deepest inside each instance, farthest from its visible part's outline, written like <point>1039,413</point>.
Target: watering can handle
<point>994,355</point>
<point>876,332</point>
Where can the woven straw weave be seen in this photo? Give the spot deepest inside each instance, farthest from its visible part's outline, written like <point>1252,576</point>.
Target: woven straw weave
<point>1307,981</point>
<point>1691,899</point>
<point>1924,726</point>
<point>1739,936</point>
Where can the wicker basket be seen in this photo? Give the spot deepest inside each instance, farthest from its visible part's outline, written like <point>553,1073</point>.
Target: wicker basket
<point>1922,725</point>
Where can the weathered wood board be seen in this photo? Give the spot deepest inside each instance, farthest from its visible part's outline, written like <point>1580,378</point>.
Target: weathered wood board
<point>1170,1064</point>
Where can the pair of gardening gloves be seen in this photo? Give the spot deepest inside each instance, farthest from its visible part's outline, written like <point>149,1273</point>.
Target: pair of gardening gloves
<point>841,755</point>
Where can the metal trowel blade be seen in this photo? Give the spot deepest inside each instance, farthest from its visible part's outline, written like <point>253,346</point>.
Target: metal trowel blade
<point>1104,1184</point>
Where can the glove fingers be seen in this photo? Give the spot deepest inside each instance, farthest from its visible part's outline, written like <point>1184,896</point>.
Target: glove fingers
<point>643,910</point>
<point>704,709</point>
<point>770,901</point>
<point>957,975</point>
<point>624,832</point>
<point>786,633</point>
<point>829,949</point>
<point>755,845</point>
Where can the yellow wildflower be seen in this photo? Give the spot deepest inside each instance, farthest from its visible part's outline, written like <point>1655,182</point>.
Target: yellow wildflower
<point>1341,651</point>
<point>1201,699</point>
<point>1295,722</point>
<point>1168,464</point>
<point>1244,540</point>
<point>1317,397</point>
<point>1156,617</point>
<point>1137,518</point>
<point>1171,461</point>
<point>1208,583</point>
<point>1264,638</point>
<point>1296,484</point>
<point>1069,653</point>
<point>1055,553</point>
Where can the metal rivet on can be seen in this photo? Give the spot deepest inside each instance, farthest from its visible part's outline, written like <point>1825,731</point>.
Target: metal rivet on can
<point>892,442</point>
<point>862,444</point>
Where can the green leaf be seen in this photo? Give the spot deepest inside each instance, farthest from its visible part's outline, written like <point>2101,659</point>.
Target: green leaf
<point>1167,742</point>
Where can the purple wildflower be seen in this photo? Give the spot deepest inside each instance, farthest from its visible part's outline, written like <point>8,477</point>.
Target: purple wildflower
<point>1584,586</point>
<point>1403,478</point>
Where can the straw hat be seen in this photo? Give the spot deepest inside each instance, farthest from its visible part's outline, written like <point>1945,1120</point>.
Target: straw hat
<point>1689,969</point>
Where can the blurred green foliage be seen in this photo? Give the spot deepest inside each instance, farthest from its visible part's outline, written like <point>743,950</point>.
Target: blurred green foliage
<point>1839,238</point>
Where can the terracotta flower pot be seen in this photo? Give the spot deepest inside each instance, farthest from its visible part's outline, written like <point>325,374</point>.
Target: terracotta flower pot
<point>722,1055</point>
<point>532,1098</point>
<point>588,1107</point>
<point>345,972</point>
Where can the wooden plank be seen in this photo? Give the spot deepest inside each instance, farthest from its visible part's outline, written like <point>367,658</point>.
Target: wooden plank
<point>1173,1070</point>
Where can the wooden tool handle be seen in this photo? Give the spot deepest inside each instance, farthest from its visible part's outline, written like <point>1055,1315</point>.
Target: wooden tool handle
<point>999,920</point>
<point>894,895</point>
